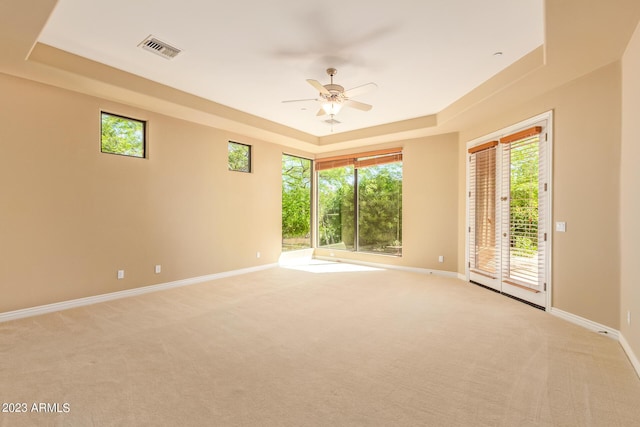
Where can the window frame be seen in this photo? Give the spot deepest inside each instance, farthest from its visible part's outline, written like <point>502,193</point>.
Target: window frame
<point>249,157</point>
<point>144,135</point>
<point>357,161</point>
<point>358,195</point>
<point>312,179</point>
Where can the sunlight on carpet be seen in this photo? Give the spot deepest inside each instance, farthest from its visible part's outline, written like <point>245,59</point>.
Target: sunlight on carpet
<point>317,266</point>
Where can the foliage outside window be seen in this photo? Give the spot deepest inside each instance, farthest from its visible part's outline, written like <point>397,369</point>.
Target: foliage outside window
<point>380,209</point>
<point>336,208</point>
<point>296,203</point>
<point>360,206</point>
<point>122,135</point>
<point>239,157</point>
<point>523,197</point>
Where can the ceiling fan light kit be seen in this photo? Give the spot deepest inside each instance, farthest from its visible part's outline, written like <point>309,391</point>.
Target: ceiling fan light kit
<point>332,108</point>
<point>333,96</point>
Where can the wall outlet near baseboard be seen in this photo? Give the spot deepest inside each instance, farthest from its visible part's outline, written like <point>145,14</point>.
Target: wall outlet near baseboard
<point>258,254</point>
<point>441,258</point>
<point>158,269</point>
<point>628,317</point>
<point>120,274</point>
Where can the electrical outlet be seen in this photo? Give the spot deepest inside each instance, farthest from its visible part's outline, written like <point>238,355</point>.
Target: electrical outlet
<point>257,254</point>
<point>441,258</point>
<point>120,274</point>
<point>158,269</point>
<point>628,317</point>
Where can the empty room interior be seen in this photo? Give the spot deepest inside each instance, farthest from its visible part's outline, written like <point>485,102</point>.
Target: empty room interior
<point>338,213</point>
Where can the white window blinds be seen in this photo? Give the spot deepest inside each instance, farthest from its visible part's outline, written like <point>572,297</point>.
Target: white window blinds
<point>482,205</point>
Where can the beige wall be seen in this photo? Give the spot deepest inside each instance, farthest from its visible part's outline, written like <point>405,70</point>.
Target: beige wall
<point>630,194</point>
<point>430,202</point>
<point>586,162</point>
<point>71,216</point>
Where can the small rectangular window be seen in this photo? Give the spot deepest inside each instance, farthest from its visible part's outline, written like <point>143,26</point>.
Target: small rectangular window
<point>239,157</point>
<point>122,135</point>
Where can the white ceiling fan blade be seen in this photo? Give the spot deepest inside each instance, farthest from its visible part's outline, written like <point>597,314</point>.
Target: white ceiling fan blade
<point>355,91</point>
<point>357,105</point>
<point>323,90</point>
<point>301,100</point>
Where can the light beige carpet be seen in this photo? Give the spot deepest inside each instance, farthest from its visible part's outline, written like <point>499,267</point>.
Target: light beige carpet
<point>285,347</point>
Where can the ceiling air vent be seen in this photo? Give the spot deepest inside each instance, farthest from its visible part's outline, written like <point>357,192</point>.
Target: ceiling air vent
<point>159,47</point>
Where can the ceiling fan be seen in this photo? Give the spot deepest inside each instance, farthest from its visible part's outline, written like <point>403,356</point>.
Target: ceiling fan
<point>333,96</point>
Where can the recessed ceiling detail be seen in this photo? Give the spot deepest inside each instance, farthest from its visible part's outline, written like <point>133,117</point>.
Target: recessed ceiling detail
<point>159,47</point>
<point>423,55</point>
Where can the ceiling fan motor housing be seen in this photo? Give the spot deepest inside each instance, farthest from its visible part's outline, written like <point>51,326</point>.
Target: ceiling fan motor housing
<point>334,89</point>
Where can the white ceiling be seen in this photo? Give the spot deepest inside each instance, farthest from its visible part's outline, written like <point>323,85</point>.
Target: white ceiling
<point>251,55</point>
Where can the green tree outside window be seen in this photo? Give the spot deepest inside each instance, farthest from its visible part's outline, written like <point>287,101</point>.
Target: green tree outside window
<point>296,203</point>
<point>239,157</point>
<point>122,135</point>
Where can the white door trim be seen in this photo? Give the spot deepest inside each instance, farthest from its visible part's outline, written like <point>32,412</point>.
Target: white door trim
<point>546,302</point>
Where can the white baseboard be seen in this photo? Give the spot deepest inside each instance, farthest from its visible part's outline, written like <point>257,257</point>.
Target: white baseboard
<point>630,354</point>
<point>65,305</point>
<point>597,327</point>
<point>390,267</point>
<point>585,323</point>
